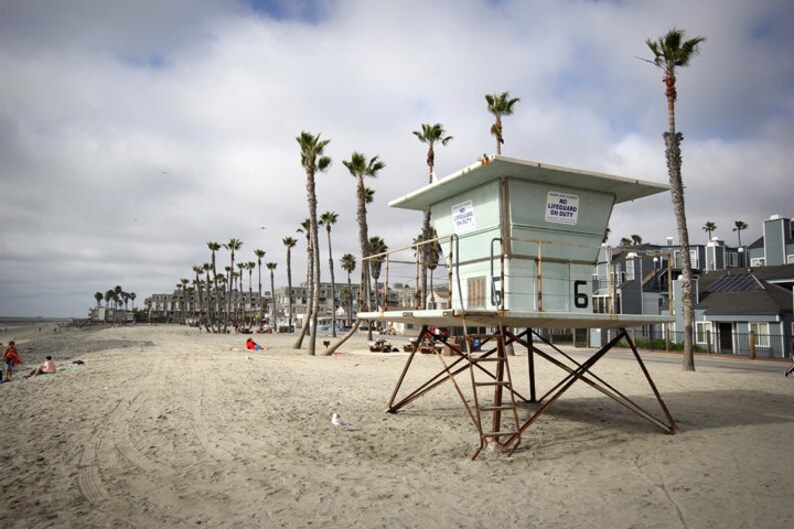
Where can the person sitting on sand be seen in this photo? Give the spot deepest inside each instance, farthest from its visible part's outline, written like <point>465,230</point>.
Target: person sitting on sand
<point>251,344</point>
<point>48,367</point>
<point>10,359</point>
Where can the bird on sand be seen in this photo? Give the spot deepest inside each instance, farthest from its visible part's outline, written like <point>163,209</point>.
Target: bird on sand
<point>336,420</point>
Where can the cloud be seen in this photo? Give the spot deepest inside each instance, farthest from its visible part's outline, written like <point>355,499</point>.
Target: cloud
<point>131,136</point>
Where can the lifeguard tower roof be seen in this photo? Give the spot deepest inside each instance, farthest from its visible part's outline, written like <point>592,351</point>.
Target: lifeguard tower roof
<point>497,166</point>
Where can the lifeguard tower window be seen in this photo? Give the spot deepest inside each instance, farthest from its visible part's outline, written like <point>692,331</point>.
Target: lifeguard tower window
<point>476,292</point>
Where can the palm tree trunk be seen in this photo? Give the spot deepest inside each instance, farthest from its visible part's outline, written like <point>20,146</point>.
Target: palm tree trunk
<point>423,263</point>
<point>259,304</point>
<point>350,303</point>
<point>289,286</point>
<point>309,285</point>
<point>331,350</point>
<point>333,285</point>
<point>209,311</point>
<point>673,152</point>
<point>363,240</point>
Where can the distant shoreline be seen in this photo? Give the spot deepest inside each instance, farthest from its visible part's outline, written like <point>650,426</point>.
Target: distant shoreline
<point>32,320</point>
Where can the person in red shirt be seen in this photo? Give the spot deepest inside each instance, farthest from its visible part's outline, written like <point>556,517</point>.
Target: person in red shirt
<point>10,359</point>
<point>252,345</point>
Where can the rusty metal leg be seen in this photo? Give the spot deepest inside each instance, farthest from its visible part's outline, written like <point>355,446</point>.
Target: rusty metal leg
<point>405,370</point>
<point>435,381</point>
<point>673,428</point>
<point>608,390</point>
<point>577,374</point>
<point>531,365</point>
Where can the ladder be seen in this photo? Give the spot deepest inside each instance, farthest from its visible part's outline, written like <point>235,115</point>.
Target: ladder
<point>494,399</point>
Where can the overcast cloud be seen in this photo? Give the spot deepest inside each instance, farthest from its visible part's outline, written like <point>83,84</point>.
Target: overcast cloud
<point>132,133</point>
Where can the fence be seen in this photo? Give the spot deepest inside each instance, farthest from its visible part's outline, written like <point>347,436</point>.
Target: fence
<point>750,344</point>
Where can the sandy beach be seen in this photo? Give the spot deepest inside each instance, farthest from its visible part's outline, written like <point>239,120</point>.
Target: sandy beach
<point>165,426</point>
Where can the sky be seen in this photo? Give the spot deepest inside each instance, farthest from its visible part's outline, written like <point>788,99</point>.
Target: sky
<point>134,132</point>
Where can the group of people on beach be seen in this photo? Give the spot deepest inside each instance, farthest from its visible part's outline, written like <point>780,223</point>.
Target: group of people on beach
<point>11,360</point>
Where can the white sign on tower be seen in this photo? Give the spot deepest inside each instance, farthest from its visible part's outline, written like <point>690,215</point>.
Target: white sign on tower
<point>463,217</point>
<point>562,208</point>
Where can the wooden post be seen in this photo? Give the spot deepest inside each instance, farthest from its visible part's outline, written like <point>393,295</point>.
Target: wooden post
<point>667,338</point>
<point>752,345</point>
<point>708,340</point>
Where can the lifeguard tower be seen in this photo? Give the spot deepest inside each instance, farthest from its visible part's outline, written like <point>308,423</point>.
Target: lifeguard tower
<point>520,240</point>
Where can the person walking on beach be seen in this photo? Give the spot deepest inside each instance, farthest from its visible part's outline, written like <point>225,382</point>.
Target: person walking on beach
<point>10,359</point>
<point>791,368</point>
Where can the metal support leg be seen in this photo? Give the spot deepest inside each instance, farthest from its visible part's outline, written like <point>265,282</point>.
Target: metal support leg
<point>531,365</point>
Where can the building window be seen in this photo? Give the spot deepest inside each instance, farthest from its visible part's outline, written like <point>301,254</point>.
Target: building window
<point>601,304</point>
<point>761,331</point>
<point>757,261</point>
<point>733,259</point>
<point>630,269</point>
<point>693,259</point>
<point>702,330</point>
<point>790,258</point>
<point>669,328</point>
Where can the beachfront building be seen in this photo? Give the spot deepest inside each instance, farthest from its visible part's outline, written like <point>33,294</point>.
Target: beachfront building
<point>345,305</point>
<point>739,309</point>
<point>100,314</point>
<point>188,306</point>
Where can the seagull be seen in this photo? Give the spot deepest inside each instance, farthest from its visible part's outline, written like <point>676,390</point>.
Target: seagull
<point>336,420</point>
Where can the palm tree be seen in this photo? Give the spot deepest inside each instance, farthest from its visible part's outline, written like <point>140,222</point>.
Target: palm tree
<point>227,282</point>
<point>369,195</point>
<point>433,253</point>
<point>359,167</point>
<point>239,310</point>
<point>739,226</point>
<point>232,246</point>
<point>214,247</point>
<point>290,243</point>
<point>272,268</point>
<point>313,159</point>
<point>259,255</point>
<point>625,241</point>
<point>98,297</point>
<point>377,246</point>
<point>306,228</point>
<point>606,234</point>
<point>500,105</point>
<point>346,297</point>
<point>197,270</point>
<point>184,282</point>
<point>670,52</point>
<point>210,322</point>
<point>132,298</point>
<point>709,227</point>
<point>250,265</point>
<point>429,135</point>
<point>636,240</point>
<point>328,219</point>
<point>348,265</point>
